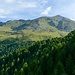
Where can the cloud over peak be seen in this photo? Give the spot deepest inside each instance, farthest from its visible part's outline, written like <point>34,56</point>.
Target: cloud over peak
<point>47,10</point>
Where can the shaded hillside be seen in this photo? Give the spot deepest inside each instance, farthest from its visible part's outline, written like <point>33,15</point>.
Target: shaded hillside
<point>61,23</point>
<point>2,23</point>
<point>64,23</point>
<point>48,57</point>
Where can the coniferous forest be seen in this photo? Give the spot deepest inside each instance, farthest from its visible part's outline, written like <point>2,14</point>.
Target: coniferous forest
<point>54,56</point>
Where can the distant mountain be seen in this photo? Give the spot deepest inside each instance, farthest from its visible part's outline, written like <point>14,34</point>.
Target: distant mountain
<point>40,28</point>
<point>2,23</point>
<point>48,23</point>
<point>62,23</point>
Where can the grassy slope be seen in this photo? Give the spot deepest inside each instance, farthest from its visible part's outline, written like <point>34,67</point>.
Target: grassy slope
<point>34,31</point>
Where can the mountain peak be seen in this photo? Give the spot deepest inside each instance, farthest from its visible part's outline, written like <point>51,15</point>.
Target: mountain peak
<point>58,16</point>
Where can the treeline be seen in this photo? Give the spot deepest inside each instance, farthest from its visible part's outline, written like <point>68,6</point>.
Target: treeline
<point>48,57</point>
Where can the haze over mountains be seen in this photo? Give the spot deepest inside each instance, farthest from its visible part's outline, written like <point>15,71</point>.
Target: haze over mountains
<point>40,28</point>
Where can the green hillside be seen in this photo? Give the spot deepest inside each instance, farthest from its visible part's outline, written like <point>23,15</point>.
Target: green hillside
<point>37,29</point>
<point>54,56</point>
<point>63,23</point>
<point>49,23</point>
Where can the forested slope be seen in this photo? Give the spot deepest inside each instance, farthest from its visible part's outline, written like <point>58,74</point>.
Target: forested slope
<point>48,57</point>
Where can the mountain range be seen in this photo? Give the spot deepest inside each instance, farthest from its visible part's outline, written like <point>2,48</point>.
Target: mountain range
<point>43,46</point>
<point>37,29</point>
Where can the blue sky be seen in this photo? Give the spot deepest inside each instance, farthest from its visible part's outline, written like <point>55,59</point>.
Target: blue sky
<point>31,9</point>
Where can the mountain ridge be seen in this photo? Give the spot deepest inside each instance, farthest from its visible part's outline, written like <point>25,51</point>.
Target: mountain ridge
<point>51,22</point>
<point>57,25</point>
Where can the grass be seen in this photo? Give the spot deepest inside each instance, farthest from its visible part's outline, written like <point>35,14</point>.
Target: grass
<point>37,36</point>
<point>30,35</point>
<point>6,32</point>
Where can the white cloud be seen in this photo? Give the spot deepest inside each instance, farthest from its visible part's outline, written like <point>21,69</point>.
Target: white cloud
<point>44,1</point>
<point>5,13</point>
<point>16,9</point>
<point>46,11</point>
<point>9,1</point>
<point>22,8</point>
<point>24,5</point>
<point>2,16</point>
<point>72,19</point>
<point>2,11</point>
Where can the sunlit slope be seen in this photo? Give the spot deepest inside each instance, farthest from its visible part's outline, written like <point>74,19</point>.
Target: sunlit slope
<point>37,29</point>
